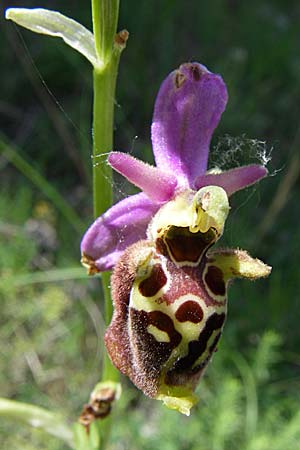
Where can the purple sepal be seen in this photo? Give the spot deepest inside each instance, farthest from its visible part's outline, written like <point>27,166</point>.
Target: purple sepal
<point>187,110</point>
<point>234,179</point>
<point>157,184</point>
<point>122,225</point>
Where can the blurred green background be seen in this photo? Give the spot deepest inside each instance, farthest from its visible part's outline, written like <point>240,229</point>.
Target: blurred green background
<point>51,322</point>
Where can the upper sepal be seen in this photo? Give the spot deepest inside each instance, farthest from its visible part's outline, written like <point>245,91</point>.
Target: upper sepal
<point>187,110</point>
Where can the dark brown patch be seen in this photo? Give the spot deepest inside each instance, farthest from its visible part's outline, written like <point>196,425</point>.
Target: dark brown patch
<point>179,79</point>
<point>152,285</point>
<point>161,246</point>
<point>185,364</point>
<point>205,200</point>
<point>164,323</point>
<point>149,354</point>
<point>196,72</point>
<point>189,311</point>
<point>215,281</point>
<point>121,38</point>
<point>186,246</point>
<point>116,337</point>
<point>89,263</point>
<point>213,347</point>
<point>98,407</point>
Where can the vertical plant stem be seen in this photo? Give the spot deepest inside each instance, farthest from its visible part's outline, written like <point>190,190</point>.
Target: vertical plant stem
<point>105,18</point>
<point>108,47</point>
<point>105,15</point>
<point>104,95</point>
<point>102,139</point>
<point>109,372</point>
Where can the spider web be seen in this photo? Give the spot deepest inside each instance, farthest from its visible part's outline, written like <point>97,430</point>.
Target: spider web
<point>230,152</point>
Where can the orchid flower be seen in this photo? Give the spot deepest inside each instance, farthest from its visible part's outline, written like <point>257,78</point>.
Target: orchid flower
<point>168,286</point>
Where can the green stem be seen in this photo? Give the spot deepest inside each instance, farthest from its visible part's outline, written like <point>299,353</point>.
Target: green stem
<point>105,18</point>
<point>104,95</point>
<point>102,139</point>
<point>109,372</point>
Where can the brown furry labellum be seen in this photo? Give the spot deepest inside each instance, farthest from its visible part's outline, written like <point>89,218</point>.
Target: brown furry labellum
<point>169,295</point>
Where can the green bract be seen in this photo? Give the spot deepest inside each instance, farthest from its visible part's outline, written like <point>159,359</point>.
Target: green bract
<point>53,23</point>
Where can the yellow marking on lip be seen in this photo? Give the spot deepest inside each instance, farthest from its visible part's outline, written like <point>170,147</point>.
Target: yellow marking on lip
<point>159,335</point>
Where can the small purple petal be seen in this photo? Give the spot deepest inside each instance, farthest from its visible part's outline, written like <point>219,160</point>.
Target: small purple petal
<point>158,185</point>
<point>122,225</point>
<point>187,110</point>
<point>234,179</point>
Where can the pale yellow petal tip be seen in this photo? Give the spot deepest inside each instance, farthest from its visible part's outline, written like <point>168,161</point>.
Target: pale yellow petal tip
<point>15,13</point>
<point>251,268</point>
<point>180,404</point>
<point>8,13</point>
<point>236,263</point>
<point>265,271</point>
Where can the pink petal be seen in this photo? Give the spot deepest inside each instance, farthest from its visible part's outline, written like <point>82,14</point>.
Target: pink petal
<point>234,179</point>
<point>158,185</point>
<point>122,225</point>
<point>187,110</point>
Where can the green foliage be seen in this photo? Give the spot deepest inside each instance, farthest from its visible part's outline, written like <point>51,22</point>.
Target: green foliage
<point>49,331</point>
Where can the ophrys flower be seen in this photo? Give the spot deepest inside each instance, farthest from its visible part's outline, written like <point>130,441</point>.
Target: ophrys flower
<point>168,287</point>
